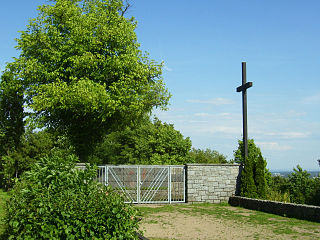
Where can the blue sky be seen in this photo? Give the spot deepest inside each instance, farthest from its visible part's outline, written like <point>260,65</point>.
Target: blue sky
<point>203,43</point>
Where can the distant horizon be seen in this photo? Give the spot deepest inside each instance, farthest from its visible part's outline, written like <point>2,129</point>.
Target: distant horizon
<point>283,170</point>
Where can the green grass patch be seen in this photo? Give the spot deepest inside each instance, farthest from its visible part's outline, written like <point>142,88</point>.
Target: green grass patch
<point>3,197</point>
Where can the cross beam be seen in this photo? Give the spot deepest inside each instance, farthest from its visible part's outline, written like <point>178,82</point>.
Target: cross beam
<point>243,88</point>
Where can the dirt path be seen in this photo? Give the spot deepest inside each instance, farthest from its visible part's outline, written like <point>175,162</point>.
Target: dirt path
<point>185,224</point>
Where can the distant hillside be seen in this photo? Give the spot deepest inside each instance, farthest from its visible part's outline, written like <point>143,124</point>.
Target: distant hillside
<point>286,173</point>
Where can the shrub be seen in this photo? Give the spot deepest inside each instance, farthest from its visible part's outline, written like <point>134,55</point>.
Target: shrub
<point>302,187</point>
<point>274,195</point>
<point>56,201</point>
<point>206,156</point>
<point>248,187</point>
<point>255,175</point>
<point>260,176</point>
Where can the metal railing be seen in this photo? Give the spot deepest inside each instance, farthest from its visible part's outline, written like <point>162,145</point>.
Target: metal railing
<point>145,183</point>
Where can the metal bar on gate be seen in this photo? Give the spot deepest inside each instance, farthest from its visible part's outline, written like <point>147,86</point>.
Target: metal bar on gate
<point>120,185</point>
<point>184,184</point>
<point>157,185</point>
<point>169,184</point>
<point>107,175</point>
<point>138,184</point>
<point>146,177</point>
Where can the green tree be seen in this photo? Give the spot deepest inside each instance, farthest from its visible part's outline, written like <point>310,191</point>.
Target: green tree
<point>11,124</point>
<point>143,142</point>
<point>248,186</point>
<point>253,176</point>
<point>260,176</point>
<point>34,145</point>
<point>11,112</point>
<point>315,195</point>
<point>300,185</point>
<point>82,71</point>
<point>206,156</point>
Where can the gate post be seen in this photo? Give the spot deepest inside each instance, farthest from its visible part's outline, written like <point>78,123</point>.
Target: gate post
<point>105,175</point>
<point>169,184</point>
<point>185,182</point>
<point>138,184</point>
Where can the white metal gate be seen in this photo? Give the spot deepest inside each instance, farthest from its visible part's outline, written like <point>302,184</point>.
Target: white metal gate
<point>145,183</point>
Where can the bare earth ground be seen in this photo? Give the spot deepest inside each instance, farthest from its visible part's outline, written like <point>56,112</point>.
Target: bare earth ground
<point>185,224</point>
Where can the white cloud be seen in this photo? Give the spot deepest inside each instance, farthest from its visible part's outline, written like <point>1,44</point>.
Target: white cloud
<point>290,135</point>
<point>273,146</point>
<point>202,114</point>
<point>222,129</point>
<point>198,121</point>
<point>216,101</point>
<point>314,99</point>
<point>224,114</point>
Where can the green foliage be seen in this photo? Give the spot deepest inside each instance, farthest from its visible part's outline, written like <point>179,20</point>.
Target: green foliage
<point>298,187</point>
<point>82,72</point>
<point>278,189</point>
<point>3,198</point>
<point>248,186</point>
<point>279,184</point>
<point>274,195</point>
<point>315,193</point>
<point>56,201</point>
<point>254,176</point>
<point>11,112</point>
<point>206,156</point>
<point>34,145</point>
<point>143,142</point>
<point>260,176</point>
<point>301,186</point>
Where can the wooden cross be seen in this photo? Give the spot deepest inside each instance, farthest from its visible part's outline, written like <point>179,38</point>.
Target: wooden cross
<point>243,88</point>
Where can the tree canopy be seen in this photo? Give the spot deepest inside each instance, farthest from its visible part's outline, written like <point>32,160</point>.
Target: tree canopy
<point>144,142</point>
<point>206,156</point>
<point>82,71</point>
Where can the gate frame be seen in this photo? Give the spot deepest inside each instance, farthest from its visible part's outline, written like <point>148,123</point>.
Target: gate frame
<point>138,181</point>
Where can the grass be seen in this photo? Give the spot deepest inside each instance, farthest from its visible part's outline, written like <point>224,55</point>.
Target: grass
<point>3,197</point>
<point>289,227</point>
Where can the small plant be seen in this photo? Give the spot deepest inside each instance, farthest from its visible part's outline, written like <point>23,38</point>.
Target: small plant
<point>54,200</point>
<point>275,195</point>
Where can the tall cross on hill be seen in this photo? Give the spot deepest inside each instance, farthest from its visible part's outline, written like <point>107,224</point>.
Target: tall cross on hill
<point>243,88</point>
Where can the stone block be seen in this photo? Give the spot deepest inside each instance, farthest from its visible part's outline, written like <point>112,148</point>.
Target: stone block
<point>191,191</point>
<point>223,194</point>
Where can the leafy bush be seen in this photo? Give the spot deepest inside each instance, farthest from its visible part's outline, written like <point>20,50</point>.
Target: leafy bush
<point>274,195</point>
<point>303,189</point>
<point>34,145</point>
<point>298,187</point>
<point>206,156</point>
<point>56,201</point>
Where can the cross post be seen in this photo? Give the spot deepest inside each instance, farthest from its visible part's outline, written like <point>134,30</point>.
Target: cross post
<point>243,88</point>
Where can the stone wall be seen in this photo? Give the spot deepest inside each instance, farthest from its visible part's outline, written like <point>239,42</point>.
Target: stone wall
<point>300,211</point>
<point>213,183</point>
